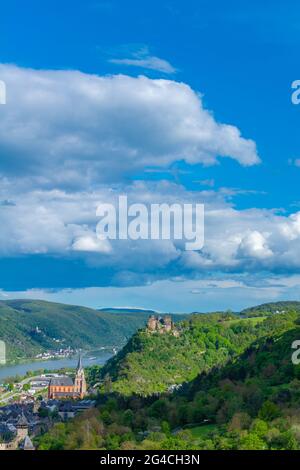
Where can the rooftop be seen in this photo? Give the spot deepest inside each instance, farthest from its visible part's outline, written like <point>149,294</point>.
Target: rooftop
<point>61,381</point>
<point>22,421</point>
<point>27,444</point>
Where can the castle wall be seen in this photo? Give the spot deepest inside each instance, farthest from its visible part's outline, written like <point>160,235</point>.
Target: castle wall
<point>162,325</point>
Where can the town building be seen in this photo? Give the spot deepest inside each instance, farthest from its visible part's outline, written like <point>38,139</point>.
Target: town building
<point>64,387</point>
<point>21,439</point>
<point>69,409</point>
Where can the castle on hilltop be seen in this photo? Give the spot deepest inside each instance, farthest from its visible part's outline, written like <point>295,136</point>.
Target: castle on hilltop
<point>64,387</point>
<point>162,325</point>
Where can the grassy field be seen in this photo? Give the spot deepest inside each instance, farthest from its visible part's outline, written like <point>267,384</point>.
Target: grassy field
<point>254,320</point>
<point>202,431</point>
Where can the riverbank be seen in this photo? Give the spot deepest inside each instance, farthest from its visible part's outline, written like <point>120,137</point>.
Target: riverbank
<point>22,369</point>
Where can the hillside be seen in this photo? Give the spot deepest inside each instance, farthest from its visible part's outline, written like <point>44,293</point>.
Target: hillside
<point>29,327</point>
<point>152,363</point>
<point>271,308</point>
<point>250,402</point>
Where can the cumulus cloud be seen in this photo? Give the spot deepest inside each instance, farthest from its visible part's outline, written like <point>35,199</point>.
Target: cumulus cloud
<point>90,243</point>
<point>254,245</point>
<point>60,223</point>
<point>69,140</point>
<point>74,130</point>
<point>251,240</point>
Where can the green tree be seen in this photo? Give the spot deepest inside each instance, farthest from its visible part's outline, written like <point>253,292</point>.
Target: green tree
<point>252,442</point>
<point>269,411</point>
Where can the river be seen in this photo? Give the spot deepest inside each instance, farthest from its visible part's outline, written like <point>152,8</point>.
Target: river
<point>22,369</point>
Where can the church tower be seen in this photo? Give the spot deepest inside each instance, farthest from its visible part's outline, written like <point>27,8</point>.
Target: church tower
<point>80,383</point>
<point>22,428</point>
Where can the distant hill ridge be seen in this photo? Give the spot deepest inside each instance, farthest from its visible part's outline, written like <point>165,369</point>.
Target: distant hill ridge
<point>127,310</point>
<point>274,307</point>
<point>30,327</point>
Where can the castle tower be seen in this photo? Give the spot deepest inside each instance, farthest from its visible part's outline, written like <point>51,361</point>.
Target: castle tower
<point>22,428</point>
<point>36,406</point>
<point>152,323</point>
<point>168,323</point>
<point>80,383</point>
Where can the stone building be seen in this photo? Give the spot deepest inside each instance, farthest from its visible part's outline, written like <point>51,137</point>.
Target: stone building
<point>162,325</point>
<point>21,440</point>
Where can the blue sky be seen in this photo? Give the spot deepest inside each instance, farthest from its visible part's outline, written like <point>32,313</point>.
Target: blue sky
<point>234,59</point>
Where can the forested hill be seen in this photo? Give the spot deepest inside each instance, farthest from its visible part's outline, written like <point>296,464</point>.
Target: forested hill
<point>29,327</point>
<point>153,362</point>
<point>251,403</point>
<point>272,307</point>
<point>247,395</point>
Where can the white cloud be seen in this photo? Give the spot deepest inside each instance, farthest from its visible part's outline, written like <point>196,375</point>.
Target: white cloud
<point>147,62</point>
<point>291,229</point>
<point>141,57</point>
<point>254,245</point>
<point>89,243</point>
<point>79,132</point>
<point>63,223</point>
<point>70,129</point>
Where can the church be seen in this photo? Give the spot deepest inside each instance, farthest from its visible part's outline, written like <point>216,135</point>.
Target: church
<point>64,387</point>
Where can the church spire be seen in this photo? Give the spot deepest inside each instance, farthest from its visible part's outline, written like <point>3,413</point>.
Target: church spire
<point>80,383</point>
<point>79,365</point>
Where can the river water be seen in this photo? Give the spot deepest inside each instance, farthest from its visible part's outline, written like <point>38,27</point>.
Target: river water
<point>22,369</point>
